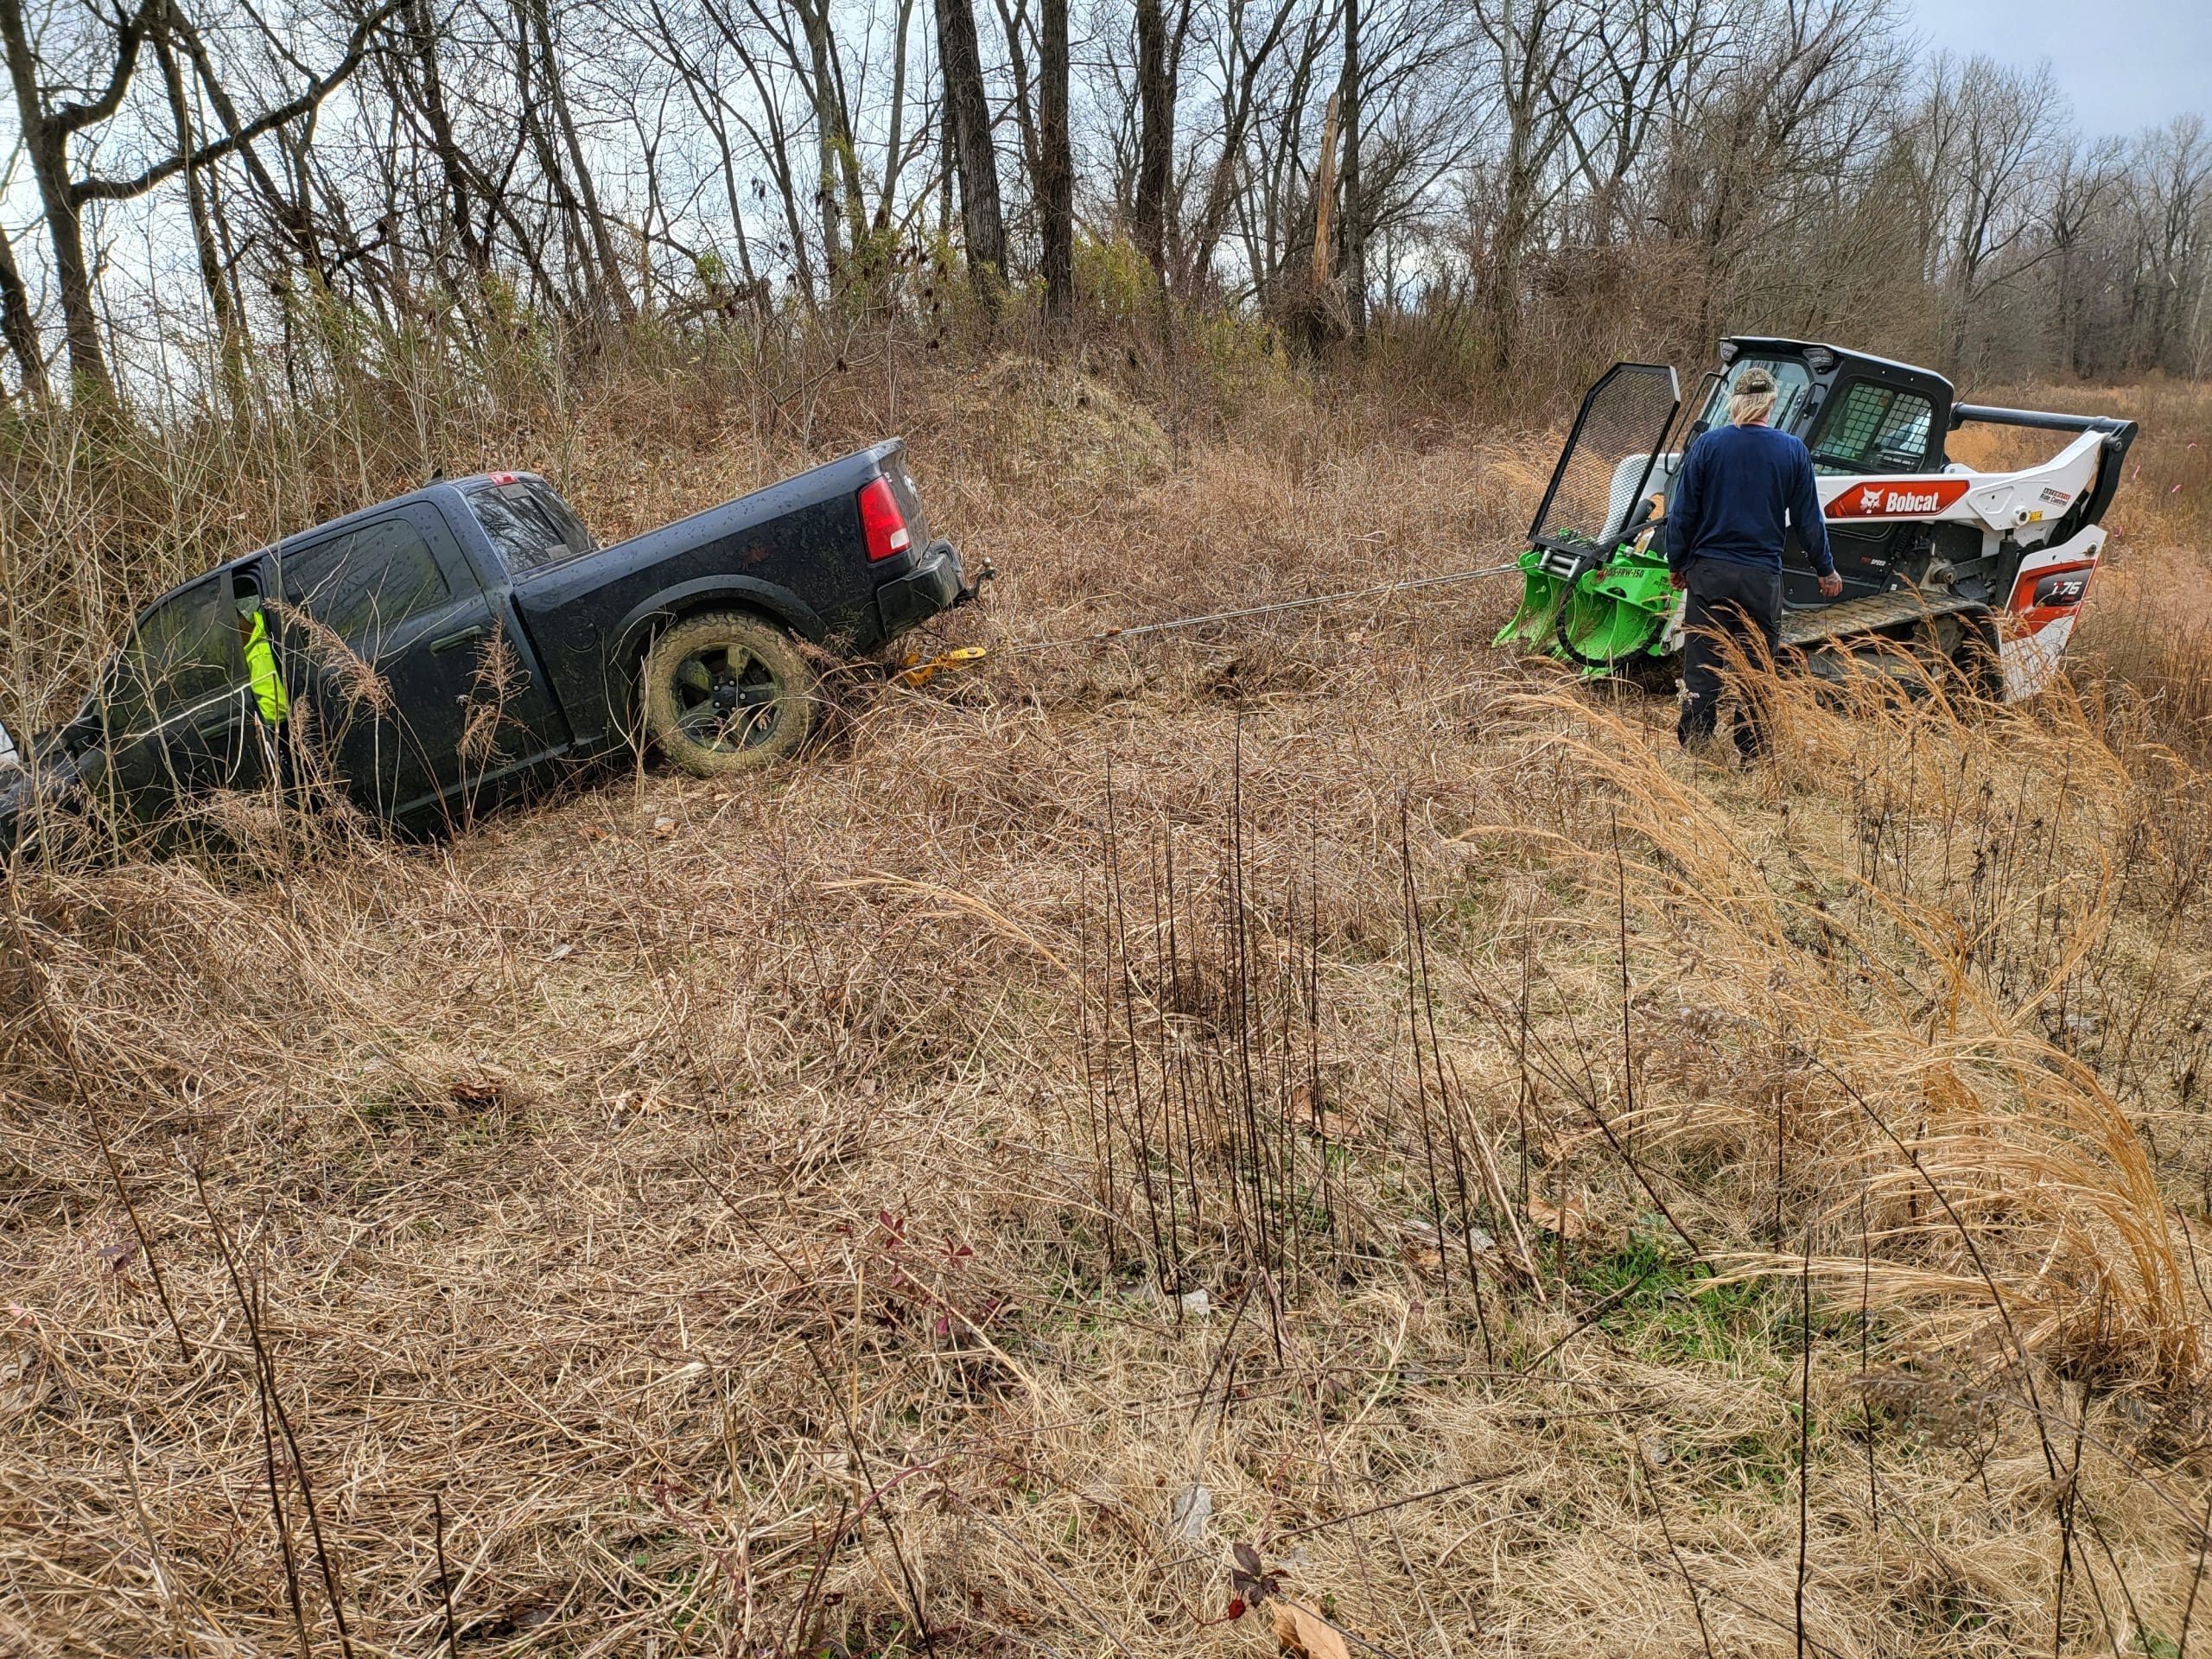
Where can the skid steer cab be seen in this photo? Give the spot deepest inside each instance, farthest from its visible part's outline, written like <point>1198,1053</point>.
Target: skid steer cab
<point>1982,573</point>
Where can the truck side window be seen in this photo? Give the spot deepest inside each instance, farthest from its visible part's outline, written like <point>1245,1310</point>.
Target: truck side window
<point>532,526</point>
<point>367,581</point>
<point>1874,428</point>
<point>183,651</point>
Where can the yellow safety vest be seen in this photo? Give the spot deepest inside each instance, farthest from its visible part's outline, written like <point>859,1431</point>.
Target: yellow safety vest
<point>261,670</point>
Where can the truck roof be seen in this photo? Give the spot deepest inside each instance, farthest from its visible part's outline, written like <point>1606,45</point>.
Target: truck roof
<point>452,489</point>
<point>429,492</point>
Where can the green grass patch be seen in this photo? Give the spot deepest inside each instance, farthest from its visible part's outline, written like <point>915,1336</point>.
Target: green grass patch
<point>1670,1309</point>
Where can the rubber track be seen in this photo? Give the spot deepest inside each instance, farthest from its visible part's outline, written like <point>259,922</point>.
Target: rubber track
<point>1865,615</point>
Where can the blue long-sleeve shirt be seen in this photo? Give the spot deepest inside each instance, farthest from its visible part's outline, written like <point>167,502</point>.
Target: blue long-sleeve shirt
<point>1731,494</point>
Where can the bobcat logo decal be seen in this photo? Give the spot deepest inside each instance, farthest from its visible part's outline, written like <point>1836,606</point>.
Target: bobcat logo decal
<point>1897,497</point>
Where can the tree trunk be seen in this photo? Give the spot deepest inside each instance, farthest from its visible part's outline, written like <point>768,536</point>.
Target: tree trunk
<point>1325,199</point>
<point>1155,137</point>
<point>969,114</point>
<point>423,38</point>
<point>575,249</point>
<point>81,320</point>
<point>828,135</point>
<point>1013,20</point>
<point>1353,220</point>
<point>1056,165</point>
<point>616,286</point>
<point>1508,236</point>
<point>229,342</point>
<point>894,153</point>
<point>947,169</point>
<point>17,325</point>
<point>46,141</point>
<point>848,148</point>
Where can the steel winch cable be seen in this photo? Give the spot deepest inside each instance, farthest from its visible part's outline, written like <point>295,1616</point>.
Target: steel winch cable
<point>919,673</point>
<point>1377,591</point>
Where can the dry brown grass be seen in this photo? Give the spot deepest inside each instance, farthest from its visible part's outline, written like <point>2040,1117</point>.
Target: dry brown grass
<point>782,1227</point>
<point>2149,626</point>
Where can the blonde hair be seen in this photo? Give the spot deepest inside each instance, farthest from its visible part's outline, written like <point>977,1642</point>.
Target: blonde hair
<point>1751,399</point>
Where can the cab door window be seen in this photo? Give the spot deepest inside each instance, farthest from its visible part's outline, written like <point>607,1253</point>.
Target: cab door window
<point>367,582</point>
<point>1874,428</point>
<point>184,651</point>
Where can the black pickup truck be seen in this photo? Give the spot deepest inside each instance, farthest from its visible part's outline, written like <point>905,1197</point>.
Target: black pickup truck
<point>438,651</point>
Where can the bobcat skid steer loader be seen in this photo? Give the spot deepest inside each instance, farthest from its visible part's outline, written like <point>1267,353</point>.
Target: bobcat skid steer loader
<point>1979,573</point>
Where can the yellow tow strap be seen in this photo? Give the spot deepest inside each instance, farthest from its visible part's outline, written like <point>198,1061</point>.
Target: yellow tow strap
<point>916,671</point>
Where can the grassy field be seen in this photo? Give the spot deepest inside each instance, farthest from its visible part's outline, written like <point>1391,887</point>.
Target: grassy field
<point>1308,1130</point>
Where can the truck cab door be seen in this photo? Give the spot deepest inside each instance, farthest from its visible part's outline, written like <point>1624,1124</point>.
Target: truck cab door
<point>405,664</point>
<point>510,530</point>
<point>175,716</point>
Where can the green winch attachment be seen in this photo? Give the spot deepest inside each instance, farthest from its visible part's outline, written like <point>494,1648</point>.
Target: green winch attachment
<point>1603,619</point>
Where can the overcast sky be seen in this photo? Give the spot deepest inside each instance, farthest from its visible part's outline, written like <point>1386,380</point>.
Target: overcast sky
<point>2126,64</point>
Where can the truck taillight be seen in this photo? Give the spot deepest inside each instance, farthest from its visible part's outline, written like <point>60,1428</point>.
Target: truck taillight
<point>881,522</point>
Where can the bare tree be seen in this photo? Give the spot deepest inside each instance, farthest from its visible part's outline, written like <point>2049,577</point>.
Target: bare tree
<point>2004,128</point>
<point>1353,231</point>
<point>2173,176</point>
<point>1785,102</point>
<point>1536,56</point>
<point>2089,178</point>
<point>51,120</point>
<point>1161,37</point>
<point>968,114</point>
<point>1593,174</point>
<point>1055,165</point>
<point>17,325</point>
<point>1639,53</point>
<point>231,344</point>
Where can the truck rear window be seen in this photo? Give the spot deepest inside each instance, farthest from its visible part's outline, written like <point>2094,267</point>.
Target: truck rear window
<point>532,526</point>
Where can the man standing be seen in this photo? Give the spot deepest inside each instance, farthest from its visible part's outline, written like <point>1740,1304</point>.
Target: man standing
<point>1740,491</point>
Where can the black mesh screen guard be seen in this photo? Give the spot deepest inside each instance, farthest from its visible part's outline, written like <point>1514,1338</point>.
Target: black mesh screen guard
<point>1609,457</point>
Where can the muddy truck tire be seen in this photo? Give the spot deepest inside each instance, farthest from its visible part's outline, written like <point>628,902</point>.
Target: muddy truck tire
<point>727,692</point>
